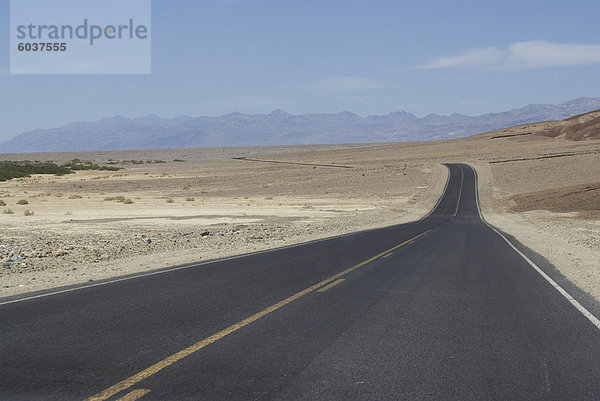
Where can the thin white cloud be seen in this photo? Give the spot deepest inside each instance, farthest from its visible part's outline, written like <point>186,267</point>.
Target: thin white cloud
<point>346,84</point>
<point>487,56</point>
<point>544,54</point>
<point>522,55</point>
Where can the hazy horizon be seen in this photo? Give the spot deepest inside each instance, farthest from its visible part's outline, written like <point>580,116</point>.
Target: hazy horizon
<point>421,116</point>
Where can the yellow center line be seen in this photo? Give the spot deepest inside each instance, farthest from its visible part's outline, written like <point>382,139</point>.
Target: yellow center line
<point>157,367</point>
<point>134,395</point>
<point>462,177</point>
<point>330,285</point>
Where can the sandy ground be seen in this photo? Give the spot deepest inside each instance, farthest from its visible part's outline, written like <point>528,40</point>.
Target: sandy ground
<point>206,207</point>
<point>541,190</point>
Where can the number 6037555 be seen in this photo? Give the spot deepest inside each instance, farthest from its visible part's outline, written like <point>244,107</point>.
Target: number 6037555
<point>41,47</point>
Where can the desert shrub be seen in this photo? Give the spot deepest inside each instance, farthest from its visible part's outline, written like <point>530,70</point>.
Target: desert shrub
<point>28,212</point>
<point>22,202</point>
<point>7,211</point>
<point>2,203</point>
<point>190,199</point>
<point>19,169</point>
<point>170,200</point>
<point>128,201</point>
<point>178,160</point>
<point>77,164</point>
<point>75,196</point>
<point>119,198</point>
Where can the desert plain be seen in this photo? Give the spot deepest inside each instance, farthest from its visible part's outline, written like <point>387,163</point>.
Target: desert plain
<point>177,206</point>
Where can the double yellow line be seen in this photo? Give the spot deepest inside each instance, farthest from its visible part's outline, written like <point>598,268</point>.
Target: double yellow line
<point>170,360</point>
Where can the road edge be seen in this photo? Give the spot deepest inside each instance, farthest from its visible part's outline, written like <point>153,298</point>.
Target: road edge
<point>582,309</point>
<point>109,280</point>
<point>79,286</point>
<point>441,196</point>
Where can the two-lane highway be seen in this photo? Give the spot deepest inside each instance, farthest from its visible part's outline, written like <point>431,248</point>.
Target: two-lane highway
<point>441,308</point>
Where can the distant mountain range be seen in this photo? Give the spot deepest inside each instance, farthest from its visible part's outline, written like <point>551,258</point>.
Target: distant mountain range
<point>279,128</point>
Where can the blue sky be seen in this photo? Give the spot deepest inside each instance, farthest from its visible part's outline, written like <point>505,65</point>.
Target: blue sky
<point>212,57</point>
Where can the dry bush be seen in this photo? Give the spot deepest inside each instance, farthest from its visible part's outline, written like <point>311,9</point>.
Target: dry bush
<point>22,202</point>
<point>7,211</point>
<point>190,199</point>
<point>2,203</point>
<point>119,198</point>
<point>170,200</point>
<point>28,212</point>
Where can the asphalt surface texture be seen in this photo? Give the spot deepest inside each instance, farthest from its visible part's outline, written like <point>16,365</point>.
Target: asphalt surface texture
<point>438,309</point>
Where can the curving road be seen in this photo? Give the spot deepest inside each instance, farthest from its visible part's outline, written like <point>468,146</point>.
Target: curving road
<point>443,308</point>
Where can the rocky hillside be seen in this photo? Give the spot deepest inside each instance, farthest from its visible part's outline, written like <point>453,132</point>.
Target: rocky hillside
<point>581,127</point>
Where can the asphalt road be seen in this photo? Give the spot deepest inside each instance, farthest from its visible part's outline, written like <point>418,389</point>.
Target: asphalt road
<point>439,309</point>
